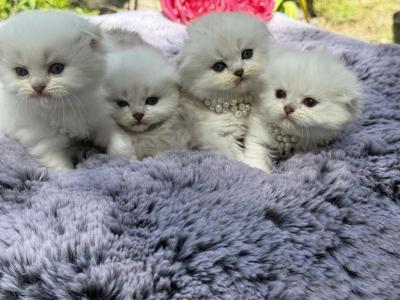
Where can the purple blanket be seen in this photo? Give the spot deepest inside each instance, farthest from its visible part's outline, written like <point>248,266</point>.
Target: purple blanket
<point>193,225</point>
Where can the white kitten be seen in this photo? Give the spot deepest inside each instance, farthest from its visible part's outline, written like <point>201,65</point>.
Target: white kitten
<point>220,66</point>
<point>143,89</point>
<point>309,97</point>
<point>51,67</point>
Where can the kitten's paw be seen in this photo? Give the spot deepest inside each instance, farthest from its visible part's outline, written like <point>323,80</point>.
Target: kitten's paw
<point>57,163</point>
<point>121,145</point>
<point>257,163</point>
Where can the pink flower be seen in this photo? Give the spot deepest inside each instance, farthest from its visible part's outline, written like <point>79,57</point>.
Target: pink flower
<point>185,11</point>
<point>260,8</point>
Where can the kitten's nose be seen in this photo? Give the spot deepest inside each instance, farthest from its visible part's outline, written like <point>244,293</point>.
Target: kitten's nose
<point>39,88</point>
<point>239,72</point>
<point>288,109</point>
<point>138,116</point>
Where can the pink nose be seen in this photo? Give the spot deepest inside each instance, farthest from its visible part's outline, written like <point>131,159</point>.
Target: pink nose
<point>288,109</point>
<point>138,116</point>
<point>39,88</point>
<point>239,73</point>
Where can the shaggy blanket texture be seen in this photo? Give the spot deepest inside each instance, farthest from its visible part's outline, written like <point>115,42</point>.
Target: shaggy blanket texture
<point>192,225</point>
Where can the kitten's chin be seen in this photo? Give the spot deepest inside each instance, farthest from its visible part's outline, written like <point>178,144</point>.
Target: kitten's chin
<point>137,128</point>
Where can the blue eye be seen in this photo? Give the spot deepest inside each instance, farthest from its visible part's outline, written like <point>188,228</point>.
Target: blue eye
<point>152,101</point>
<point>56,68</point>
<point>247,53</point>
<point>219,66</point>
<point>21,71</point>
<point>121,103</point>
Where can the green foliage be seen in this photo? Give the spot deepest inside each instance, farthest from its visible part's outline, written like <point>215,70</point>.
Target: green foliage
<point>10,7</point>
<point>336,11</point>
<point>291,7</point>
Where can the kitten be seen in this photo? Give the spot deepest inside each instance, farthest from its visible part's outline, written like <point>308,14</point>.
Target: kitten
<point>309,98</point>
<point>220,67</point>
<point>143,89</point>
<point>51,66</point>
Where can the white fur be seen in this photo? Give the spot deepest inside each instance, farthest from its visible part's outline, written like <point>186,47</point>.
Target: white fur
<point>118,39</point>
<point>316,74</point>
<point>133,76</point>
<point>70,107</point>
<point>221,37</point>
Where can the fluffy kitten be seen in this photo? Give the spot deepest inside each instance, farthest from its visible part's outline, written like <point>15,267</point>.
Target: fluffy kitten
<point>309,97</point>
<point>51,66</point>
<point>143,89</point>
<point>220,66</point>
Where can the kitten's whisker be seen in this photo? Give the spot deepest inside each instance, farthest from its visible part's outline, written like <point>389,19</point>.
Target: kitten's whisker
<point>78,105</point>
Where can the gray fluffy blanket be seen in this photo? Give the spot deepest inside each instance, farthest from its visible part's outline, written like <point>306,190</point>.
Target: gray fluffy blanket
<point>192,225</point>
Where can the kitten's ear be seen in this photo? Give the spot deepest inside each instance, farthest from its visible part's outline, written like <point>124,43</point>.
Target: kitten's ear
<point>92,37</point>
<point>178,61</point>
<point>353,102</point>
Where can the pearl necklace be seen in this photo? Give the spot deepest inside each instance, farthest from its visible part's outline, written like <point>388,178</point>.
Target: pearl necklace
<point>240,107</point>
<point>286,142</point>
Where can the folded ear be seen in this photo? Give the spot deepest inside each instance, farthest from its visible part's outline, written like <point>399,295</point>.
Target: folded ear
<point>353,101</point>
<point>92,37</point>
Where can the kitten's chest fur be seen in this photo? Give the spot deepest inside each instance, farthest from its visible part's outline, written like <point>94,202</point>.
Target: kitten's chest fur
<point>53,119</point>
<point>72,125</point>
<point>169,135</point>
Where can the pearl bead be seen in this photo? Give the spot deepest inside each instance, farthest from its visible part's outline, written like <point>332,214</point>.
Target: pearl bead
<point>279,138</point>
<point>286,139</point>
<point>294,139</point>
<point>239,107</point>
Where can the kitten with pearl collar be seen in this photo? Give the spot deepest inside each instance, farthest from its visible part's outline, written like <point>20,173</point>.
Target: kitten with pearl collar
<point>309,97</point>
<point>220,67</point>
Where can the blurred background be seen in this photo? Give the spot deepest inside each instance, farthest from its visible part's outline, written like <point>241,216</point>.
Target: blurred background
<point>369,20</point>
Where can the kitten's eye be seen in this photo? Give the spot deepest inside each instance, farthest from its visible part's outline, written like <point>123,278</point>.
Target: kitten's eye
<point>219,66</point>
<point>122,103</point>
<point>280,94</point>
<point>152,100</point>
<point>56,68</point>
<point>247,53</point>
<point>21,71</point>
<point>310,102</point>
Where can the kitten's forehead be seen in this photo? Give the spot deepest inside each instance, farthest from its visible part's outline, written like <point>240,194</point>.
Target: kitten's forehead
<point>42,33</point>
<point>227,32</point>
